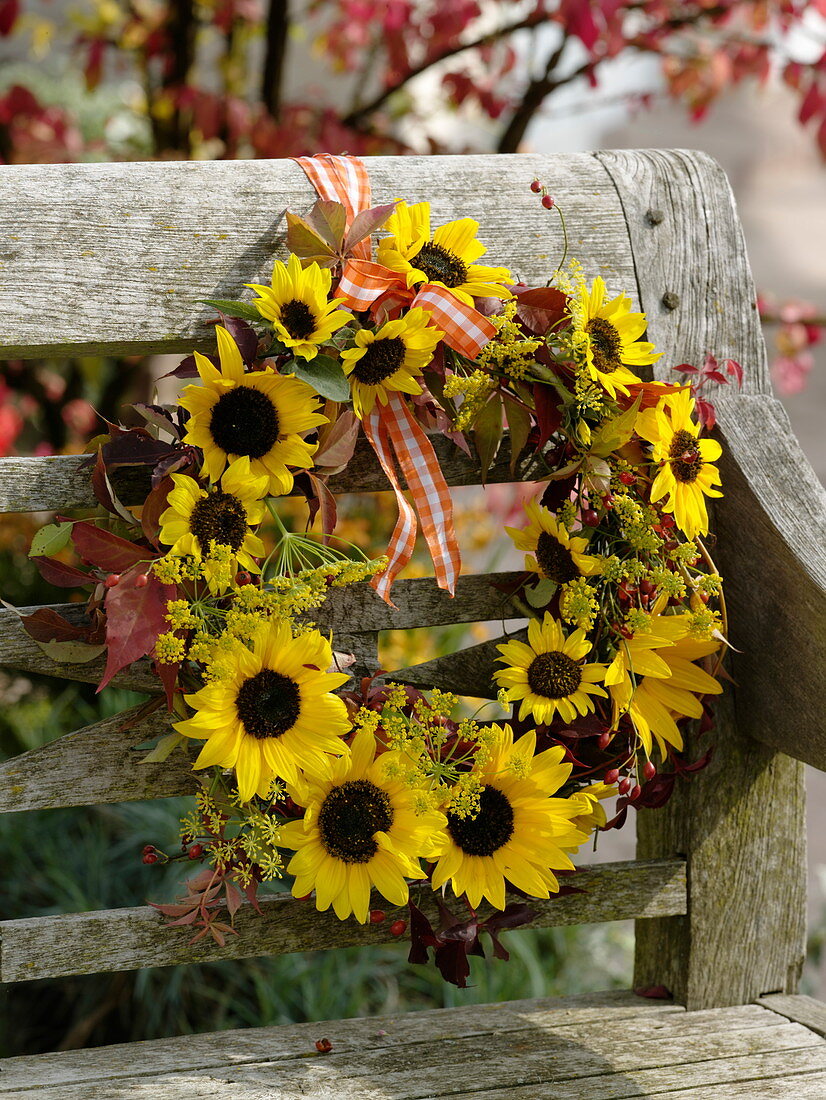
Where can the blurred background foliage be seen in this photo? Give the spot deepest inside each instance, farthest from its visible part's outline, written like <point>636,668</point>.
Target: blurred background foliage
<point>150,79</point>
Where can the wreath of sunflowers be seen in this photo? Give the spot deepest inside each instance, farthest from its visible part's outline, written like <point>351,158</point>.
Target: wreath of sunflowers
<point>354,794</point>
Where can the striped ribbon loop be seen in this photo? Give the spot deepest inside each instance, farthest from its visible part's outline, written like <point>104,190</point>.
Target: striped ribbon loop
<point>466,329</point>
<point>392,429</point>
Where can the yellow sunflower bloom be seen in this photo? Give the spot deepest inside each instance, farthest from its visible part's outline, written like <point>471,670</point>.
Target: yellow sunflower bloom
<point>520,833</point>
<point>275,714</point>
<point>298,308</point>
<point>554,553</point>
<point>445,258</point>
<point>389,360</point>
<point>667,683</point>
<point>360,831</point>
<point>593,816</point>
<point>259,415</point>
<point>547,674</point>
<point>687,475</point>
<point>195,517</point>
<point>609,334</point>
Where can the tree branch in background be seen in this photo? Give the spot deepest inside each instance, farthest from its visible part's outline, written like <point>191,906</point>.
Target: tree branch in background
<point>355,118</point>
<point>276,35</point>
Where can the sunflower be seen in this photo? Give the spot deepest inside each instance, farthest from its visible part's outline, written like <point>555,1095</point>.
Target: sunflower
<point>196,517</point>
<point>360,830</point>
<point>658,701</point>
<point>297,306</point>
<point>555,554</point>
<point>389,360</point>
<point>261,415</point>
<point>686,475</point>
<point>609,334</point>
<point>547,674</point>
<point>520,832</point>
<point>275,714</point>
<point>446,258</point>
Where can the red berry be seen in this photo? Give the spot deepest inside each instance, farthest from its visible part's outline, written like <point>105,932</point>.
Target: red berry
<point>398,927</point>
<point>243,578</point>
<point>608,500</point>
<point>590,518</point>
<point>196,851</point>
<point>141,581</point>
<point>648,770</point>
<point>624,785</point>
<point>627,478</point>
<point>150,857</point>
<point>147,848</point>
<point>112,580</point>
<point>377,916</point>
<point>604,740</point>
<point>636,791</point>
<point>611,776</point>
<point>323,1046</point>
<point>547,202</point>
<point>536,187</point>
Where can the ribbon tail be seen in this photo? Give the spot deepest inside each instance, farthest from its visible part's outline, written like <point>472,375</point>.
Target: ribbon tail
<point>428,487</point>
<point>466,329</point>
<point>403,539</point>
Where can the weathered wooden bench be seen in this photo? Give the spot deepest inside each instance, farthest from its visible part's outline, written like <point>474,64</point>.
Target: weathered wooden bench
<point>113,258</point>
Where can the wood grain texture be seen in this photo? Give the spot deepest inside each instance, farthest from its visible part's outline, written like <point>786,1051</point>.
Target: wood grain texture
<point>94,765</point>
<point>740,823</point>
<point>127,939</point>
<point>604,1047</point>
<point>141,244</point>
<point>801,1009</point>
<point>62,483</point>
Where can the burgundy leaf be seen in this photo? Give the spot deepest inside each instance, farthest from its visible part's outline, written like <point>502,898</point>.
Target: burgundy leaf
<point>105,550</point>
<point>541,309</point>
<point>153,508</point>
<point>134,619</point>
<point>338,445</point>
<point>47,625</point>
<point>366,223</point>
<point>654,992</point>
<point>59,574</point>
<point>452,961</point>
<point>168,675</point>
<point>244,336</point>
<point>548,412</point>
<point>187,368</point>
<point>135,448</point>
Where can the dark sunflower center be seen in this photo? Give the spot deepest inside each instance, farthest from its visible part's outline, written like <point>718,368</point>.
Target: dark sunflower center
<point>244,422</point>
<point>555,560</point>
<point>349,817</point>
<point>440,264</point>
<point>297,318</point>
<point>489,830</point>
<point>606,345</point>
<point>268,704</point>
<point>684,454</point>
<point>554,675</point>
<point>220,516</point>
<point>382,358</point>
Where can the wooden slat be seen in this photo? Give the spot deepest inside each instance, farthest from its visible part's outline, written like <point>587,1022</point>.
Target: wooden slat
<point>523,1050</point>
<point>126,939</point>
<point>94,765</point>
<point>62,482</point>
<point>141,244</point>
<point>741,823</point>
<point>801,1009</point>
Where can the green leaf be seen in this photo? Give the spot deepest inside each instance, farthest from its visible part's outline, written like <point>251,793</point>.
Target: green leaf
<point>541,594</point>
<point>305,241</point>
<point>71,653</point>
<point>487,433</point>
<point>245,310</point>
<point>167,744</point>
<point>519,426</point>
<point>50,540</point>
<point>324,375</point>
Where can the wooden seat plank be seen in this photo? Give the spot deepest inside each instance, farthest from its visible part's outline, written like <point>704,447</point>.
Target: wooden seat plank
<point>600,1047</point>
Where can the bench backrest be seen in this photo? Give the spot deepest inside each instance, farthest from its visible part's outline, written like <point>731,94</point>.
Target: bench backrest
<point>113,258</point>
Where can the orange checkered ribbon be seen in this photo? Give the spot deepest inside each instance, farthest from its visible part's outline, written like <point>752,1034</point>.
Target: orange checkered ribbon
<point>391,429</point>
